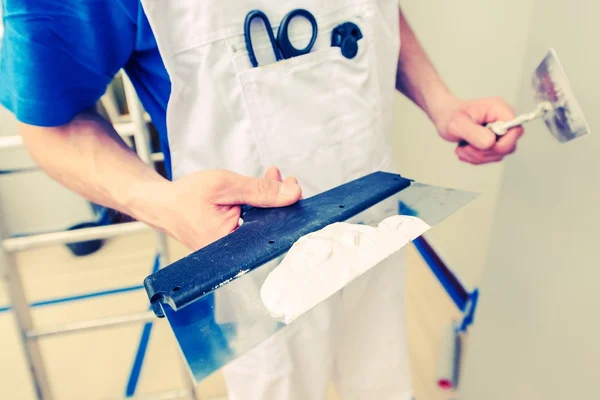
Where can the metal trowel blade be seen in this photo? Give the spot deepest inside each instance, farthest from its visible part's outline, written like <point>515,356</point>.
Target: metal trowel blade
<point>564,118</point>
<point>215,329</point>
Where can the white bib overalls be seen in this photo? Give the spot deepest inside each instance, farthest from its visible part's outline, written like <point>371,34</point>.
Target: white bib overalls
<point>320,117</point>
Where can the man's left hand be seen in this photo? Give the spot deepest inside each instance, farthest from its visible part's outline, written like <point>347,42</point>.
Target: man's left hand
<point>466,120</point>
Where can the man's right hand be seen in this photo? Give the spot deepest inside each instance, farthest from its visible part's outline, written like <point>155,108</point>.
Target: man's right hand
<point>90,158</point>
<point>205,206</point>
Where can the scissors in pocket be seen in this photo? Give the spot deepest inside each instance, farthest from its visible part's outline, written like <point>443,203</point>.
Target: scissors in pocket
<point>282,47</point>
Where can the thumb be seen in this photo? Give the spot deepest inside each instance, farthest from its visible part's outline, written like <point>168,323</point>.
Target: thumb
<point>274,174</point>
<point>258,192</point>
<point>476,135</point>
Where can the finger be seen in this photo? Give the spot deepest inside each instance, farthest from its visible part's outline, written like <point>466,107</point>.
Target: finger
<point>498,110</point>
<point>507,144</point>
<point>476,135</point>
<point>293,179</point>
<point>482,157</point>
<point>258,192</point>
<point>489,109</point>
<point>477,157</point>
<point>492,159</point>
<point>226,221</point>
<point>465,156</point>
<point>274,174</point>
<point>473,155</point>
<point>231,220</point>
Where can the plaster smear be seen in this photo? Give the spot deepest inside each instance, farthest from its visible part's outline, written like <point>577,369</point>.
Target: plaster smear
<point>321,263</point>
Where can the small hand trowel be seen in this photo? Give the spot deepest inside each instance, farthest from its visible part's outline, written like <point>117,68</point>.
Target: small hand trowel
<point>200,294</point>
<point>555,103</point>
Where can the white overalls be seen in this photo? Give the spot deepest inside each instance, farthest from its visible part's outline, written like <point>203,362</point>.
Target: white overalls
<point>320,117</point>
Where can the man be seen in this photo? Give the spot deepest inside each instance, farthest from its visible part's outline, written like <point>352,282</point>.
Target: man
<point>321,119</point>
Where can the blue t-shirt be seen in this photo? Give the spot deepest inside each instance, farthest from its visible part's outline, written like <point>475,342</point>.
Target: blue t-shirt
<point>58,56</point>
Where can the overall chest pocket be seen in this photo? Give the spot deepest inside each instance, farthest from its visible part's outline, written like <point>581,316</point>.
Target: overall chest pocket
<point>318,116</point>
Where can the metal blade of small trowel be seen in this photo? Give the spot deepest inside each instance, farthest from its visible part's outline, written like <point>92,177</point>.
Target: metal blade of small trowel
<point>211,298</point>
<point>553,92</point>
<point>555,102</point>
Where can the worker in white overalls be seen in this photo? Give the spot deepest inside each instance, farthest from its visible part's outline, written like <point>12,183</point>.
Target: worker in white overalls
<point>325,118</point>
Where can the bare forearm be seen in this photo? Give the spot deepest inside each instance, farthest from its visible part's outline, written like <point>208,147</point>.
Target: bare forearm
<point>416,76</point>
<point>88,157</point>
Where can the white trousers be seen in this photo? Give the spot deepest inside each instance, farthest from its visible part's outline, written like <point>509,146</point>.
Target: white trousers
<point>356,340</point>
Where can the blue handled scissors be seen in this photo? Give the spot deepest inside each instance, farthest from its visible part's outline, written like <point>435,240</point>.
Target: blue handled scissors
<point>282,47</point>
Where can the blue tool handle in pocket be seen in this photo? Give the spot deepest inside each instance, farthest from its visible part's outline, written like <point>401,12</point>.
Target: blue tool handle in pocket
<point>265,234</point>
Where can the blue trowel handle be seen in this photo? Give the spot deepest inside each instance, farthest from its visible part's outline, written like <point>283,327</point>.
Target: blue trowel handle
<point>265,234</point>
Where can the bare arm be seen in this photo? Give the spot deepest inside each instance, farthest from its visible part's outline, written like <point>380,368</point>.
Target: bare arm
<point>416,76</point>
<point>90,158</point>
<point>455,119</point>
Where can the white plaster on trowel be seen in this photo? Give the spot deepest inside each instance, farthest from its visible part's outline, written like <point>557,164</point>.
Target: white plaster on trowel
<point>321,263</point>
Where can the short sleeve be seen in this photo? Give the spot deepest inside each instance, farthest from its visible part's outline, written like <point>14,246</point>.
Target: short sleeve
<point>58,56</point>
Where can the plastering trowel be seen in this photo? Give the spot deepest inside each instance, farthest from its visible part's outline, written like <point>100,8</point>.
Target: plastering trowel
<point>211,298</point>
<point>555,102</point>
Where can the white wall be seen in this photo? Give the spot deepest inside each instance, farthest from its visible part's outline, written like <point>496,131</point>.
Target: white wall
<point>478,48</point>
<point>537,330</point>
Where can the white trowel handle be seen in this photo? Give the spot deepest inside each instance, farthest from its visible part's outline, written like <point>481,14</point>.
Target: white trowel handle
<point>500,128</point>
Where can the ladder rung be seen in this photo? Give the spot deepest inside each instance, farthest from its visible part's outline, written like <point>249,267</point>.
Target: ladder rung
<point>157,157</point>
<point>125,129</point>
<point>74,236</point>
<point>9,142</point>
<point>146,316</point>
